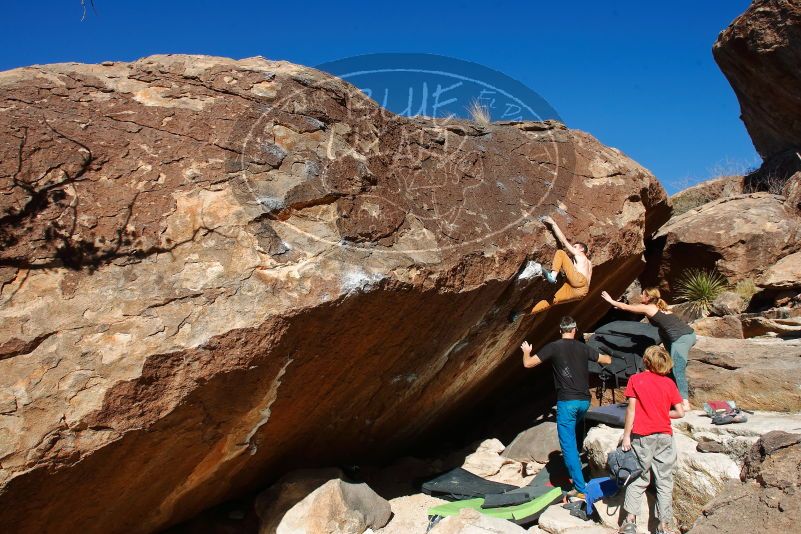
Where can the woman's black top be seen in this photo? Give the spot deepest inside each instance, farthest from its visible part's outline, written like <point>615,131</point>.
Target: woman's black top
<point>670,326</point>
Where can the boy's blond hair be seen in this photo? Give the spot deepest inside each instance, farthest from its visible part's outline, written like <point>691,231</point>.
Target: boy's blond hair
<point>657,360</point>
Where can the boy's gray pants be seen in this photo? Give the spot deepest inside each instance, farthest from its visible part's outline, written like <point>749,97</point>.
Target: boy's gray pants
<point>656,452</point>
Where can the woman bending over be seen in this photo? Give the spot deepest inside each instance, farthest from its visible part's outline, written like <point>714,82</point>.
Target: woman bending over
<point>677,335</point>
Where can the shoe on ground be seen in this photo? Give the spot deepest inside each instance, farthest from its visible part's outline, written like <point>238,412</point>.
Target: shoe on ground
<point>628,527</point>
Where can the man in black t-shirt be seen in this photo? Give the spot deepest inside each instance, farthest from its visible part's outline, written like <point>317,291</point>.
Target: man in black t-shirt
<point>569,361</point>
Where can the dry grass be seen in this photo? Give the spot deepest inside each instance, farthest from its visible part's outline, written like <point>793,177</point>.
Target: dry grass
<point>479,113</point>
<point>746,289</point>
<point>767,183</point>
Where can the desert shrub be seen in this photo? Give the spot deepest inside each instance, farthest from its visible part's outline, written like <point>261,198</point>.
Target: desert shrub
<point>479,113</point>
<point>769,182</point>
<point>699,287</point>
<point>746,289</point>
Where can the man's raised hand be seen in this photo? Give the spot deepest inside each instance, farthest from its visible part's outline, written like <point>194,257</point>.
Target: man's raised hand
<point>526,346</point>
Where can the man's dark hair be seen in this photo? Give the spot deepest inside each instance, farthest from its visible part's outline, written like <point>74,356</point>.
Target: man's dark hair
<point>584,248</point>
<point>567,324</point>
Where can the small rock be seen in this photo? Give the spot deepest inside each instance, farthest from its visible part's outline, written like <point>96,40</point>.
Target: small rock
<point>557,520</point>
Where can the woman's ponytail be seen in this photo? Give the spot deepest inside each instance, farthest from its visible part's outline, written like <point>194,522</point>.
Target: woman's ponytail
<point>656,297</point>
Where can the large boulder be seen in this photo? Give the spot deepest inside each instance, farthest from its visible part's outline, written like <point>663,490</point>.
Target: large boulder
<point>759,53</point>
<point>215,271</point>
<point>758,373</point>
<point>766,498</point>
<point>739,236</point>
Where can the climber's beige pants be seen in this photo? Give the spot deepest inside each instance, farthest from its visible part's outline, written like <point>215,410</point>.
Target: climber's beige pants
<point>575,288</point>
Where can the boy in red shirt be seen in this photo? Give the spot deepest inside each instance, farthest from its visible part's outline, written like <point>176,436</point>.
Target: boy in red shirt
<point>654,400</point>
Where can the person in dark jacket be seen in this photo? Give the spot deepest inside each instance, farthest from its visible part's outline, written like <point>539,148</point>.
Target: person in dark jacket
<point>677,336</point>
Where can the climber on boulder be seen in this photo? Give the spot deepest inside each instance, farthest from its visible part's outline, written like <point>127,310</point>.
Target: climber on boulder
<point>577,271</point>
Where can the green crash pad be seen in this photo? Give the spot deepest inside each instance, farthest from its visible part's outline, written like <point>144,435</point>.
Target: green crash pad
<point>517,513</point>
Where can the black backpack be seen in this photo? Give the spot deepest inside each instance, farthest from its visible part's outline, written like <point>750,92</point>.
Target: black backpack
<point>624,466</point>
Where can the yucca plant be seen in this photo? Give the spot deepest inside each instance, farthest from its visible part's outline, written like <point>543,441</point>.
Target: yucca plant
<point>479,113</point>
<point>699,287</point>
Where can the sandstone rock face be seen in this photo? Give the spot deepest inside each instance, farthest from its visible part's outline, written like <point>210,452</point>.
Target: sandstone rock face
<point>700,194</point>
<point>759,373</point>
<point>336,507</point>
<point>767,498</point>
<point>214,271</point>
<point>740,236</point>
<point>759,53</point>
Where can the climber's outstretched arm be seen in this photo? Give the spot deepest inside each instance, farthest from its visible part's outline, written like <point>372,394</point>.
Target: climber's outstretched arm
<point>560,235</point>
<point>529,361</point>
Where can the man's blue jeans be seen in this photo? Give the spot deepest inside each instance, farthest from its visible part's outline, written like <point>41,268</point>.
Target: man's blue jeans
<point>570,428</point>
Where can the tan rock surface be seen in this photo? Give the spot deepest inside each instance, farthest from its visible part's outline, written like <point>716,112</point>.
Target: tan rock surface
<point>214,271</point>
<point>758,373</point>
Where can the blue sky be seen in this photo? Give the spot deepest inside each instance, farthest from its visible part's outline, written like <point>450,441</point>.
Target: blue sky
<point>637,75</point>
